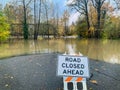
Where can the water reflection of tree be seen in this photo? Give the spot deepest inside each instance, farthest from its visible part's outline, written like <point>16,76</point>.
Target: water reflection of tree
<point>26,47</point>
<point>36,46</point>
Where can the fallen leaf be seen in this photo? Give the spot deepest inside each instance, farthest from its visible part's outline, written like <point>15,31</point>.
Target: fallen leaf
<point>6,85</point>
<point>11,77</point>
<point>94,81</point>
<point>39,64</point>
<point>90,89</point>
<point>96,69</point>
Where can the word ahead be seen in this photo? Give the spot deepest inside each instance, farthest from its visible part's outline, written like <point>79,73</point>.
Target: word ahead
<point>73,66</point>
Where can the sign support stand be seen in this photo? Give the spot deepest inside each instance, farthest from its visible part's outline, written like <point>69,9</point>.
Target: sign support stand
<point>65,85</point>
<point>83,81</point>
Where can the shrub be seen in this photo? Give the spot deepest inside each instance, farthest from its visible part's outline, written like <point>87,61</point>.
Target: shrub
<point>4,28</point>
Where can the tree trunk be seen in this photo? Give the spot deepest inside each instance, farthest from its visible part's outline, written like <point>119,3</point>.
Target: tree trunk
<point>98,4</point>
<point>57,22</point>
<point>39,17</point>
<point>25,25</point>
<point>47,20</point>
<point>87,19</point>
<point>35,25</point>
<point>86,14</point>
<point>98,22</point>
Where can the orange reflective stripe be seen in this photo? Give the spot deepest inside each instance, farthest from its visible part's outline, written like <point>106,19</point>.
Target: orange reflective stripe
<point>68,79</point>
<point>79,79</point>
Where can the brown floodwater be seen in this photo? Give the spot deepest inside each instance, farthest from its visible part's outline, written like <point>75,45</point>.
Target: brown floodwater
<point>105,50</point>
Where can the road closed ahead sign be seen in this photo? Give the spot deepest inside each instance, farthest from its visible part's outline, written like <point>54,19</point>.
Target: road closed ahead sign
<point>73,66</point>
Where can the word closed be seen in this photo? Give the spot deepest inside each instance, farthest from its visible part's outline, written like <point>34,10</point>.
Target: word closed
<point>73,66</point>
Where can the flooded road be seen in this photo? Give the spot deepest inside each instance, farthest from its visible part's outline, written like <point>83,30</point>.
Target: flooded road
<point>105,50</point>
<point>38,72</point>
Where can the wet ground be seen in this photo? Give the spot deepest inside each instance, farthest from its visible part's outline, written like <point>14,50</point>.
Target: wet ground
<point>38,72</point>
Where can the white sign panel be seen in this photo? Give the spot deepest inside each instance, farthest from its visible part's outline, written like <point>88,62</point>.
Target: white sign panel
<point>73,66</point>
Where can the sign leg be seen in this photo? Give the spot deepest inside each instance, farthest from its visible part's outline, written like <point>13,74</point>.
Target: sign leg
<point>65,85</point>
<point>84,85</point>
<point>75,86</point>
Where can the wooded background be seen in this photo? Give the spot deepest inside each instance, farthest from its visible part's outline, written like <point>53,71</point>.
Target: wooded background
<point>33,18</point>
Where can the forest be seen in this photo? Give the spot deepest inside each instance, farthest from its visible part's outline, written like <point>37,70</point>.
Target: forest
<point>31,19</point>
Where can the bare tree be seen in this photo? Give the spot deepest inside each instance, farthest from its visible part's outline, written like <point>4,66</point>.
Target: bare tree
<point>65,21</point>
<point>39,19</point>
<point>82,7</point>
<point>98,5</point>
<point>46,7</point>
<point>57,17</point>
<point>35,23</point>
<point>54,17</point>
